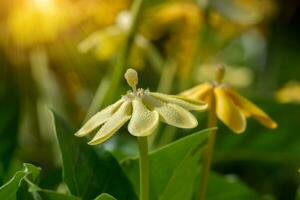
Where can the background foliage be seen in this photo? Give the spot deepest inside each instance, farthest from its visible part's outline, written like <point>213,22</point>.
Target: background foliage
<point>55,53</point>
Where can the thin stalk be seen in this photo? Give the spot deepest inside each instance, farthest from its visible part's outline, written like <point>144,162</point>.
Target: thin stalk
<point>110,91</point>
<point>144,168</point>
<point>208,155</point>
<point>167,77</point>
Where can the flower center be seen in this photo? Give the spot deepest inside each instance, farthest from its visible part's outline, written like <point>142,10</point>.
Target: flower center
<point>131,77</point>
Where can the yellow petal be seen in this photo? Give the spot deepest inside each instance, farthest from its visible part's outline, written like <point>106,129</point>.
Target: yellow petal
<point>228,113</point>
<point>98,119</point>
<point>143,121</point>
<point>117,120</point>
<point>252,109</point>
<point>182,101</point>
<point>199,92</point>
<point>172,114</point>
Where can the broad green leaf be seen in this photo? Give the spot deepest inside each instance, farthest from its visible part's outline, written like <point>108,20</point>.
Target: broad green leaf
<point>22,186</point>
<point>105,196</point>
<point>173,168</point>
<point>86,172</point>
<point>228,188</point>
<point>9,190</point>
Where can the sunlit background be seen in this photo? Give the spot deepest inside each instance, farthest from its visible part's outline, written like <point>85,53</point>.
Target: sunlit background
<point>55,53</point>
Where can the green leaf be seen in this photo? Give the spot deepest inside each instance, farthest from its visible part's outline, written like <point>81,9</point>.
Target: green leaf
<point>10,189</point>
<point>52,195</point>
<point>86,172</point>
<point>228,188</point>
<point>17,188</point>
<point>105,196</point>
<point>171,167</point>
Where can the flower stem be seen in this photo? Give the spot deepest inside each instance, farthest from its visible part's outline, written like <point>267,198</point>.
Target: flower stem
<point>208,154</point>
<point>105,95</point>
<point>144,168</point>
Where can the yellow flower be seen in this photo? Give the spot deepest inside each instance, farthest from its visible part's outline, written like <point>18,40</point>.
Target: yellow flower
<point>230,107</point>
<point>238,77</point>
<point>231,18</point>
<point>166,21</point>
<point>106,42</point>
<point>290,93</point>
<point>144,109</point>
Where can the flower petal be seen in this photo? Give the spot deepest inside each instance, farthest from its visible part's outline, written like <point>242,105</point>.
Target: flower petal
<point>172,114</point>
<point>98,119</point>
<point>182,101</point>
<point>117,120</point>
<point>228,113</point>
<point>143,121</point>
<point>199,92</point>
<point>252,109</point>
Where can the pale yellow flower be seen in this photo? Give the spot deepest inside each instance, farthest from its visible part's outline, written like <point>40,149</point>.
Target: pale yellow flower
<point>231,108</point>
<point>144,109</point>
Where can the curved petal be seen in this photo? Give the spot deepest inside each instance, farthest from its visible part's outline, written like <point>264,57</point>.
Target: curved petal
<point>98,119</point>
<point>117,120</point>
<point>143,121</point>
<point>228,113</point>
<point>252,109</point>
<point>199,92</point>
<point>182,101</point>
<point>172,114</point>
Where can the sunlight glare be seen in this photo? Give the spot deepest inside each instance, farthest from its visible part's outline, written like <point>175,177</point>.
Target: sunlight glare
<point>43,5</point>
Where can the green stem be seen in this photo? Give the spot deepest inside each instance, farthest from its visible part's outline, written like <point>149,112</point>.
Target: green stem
<point>144,168</point>
<point>208,155</point>
<point>109,92</point>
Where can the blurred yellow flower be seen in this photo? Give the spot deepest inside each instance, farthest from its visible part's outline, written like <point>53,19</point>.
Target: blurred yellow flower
<point>231,17</point>
<point>238,77</point>
<point>181,23</point>
<point>231,108</point>
<point>290,93</point>
<point>106,42</point>
<point>144,109</point>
